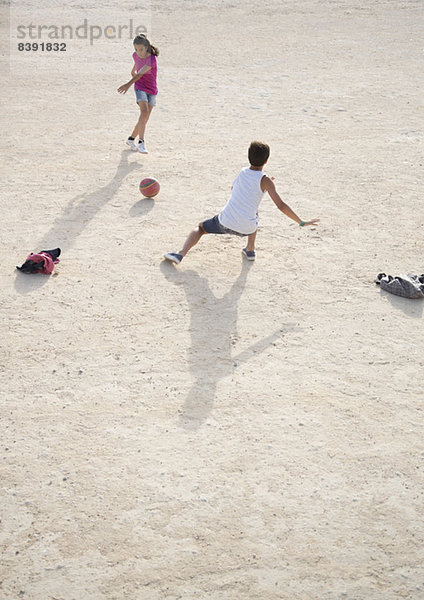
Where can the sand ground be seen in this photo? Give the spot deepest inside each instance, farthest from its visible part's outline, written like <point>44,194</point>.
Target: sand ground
<point>224,429</point>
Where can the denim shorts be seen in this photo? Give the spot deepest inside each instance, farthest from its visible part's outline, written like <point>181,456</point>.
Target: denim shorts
<point>214,226</point>
<point>142,96</point>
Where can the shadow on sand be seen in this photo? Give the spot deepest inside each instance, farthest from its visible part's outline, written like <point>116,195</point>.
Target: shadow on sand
<point>75,218</point>
<point>141,207</point>
<point>213,331</point>
<point>411,308</point>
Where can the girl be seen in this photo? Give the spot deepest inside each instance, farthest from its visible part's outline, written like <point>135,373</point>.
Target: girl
<point>144,74</point>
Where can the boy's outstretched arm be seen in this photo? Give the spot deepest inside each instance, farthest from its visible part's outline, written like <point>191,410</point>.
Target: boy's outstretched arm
<point>268,186</point>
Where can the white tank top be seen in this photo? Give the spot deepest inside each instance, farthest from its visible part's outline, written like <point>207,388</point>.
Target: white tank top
<point>241,211</point>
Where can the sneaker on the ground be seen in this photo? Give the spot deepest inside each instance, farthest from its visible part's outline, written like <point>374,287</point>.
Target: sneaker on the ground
<point>249,254</point>
<point>142,148</point>
<point>132,145</point>
<point>173,257</point>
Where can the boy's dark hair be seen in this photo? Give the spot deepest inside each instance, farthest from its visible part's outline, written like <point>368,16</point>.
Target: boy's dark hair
<point>141,40</point>
<point>258,154</point>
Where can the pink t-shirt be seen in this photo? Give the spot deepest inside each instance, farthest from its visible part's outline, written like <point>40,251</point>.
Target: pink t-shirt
<point>147,82</point>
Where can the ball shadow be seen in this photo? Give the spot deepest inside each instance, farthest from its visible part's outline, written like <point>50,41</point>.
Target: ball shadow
<point>141,207</point>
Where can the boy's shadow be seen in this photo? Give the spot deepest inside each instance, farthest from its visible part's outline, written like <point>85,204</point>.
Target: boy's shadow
<point>75,218</point>
<point>213,328</point>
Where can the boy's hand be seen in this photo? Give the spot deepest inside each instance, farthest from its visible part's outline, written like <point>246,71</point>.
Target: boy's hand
<point>124,88</point>
<point>269,186</point>
<point>312,222</point>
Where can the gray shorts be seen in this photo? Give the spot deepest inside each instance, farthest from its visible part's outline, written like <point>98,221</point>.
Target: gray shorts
<point>214,226</point>
<point>142,96</point>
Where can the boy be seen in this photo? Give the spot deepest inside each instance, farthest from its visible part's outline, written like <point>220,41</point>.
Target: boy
<point>240,215</point>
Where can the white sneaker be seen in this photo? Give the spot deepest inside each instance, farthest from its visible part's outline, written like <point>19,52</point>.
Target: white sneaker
<point>131,144</point>
<point>142,147</point>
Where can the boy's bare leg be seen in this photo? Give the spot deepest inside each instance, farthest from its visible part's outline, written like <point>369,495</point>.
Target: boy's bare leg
<point>251,241</point>
<point>191,240</point>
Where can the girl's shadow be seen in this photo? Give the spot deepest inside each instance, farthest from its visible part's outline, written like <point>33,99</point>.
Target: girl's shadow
<point>75,218</point>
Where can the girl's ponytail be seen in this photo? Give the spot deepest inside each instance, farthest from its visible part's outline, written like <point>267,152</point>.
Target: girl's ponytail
<point>141,40</point>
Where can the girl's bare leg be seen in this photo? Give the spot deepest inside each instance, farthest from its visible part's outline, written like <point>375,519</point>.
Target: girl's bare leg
<point>140,127</point>
<point>134,133</point>
<point>144,117</point>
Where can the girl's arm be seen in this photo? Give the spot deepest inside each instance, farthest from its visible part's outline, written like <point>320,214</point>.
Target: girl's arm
<point>268,186</point>
<point>124,88</point>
